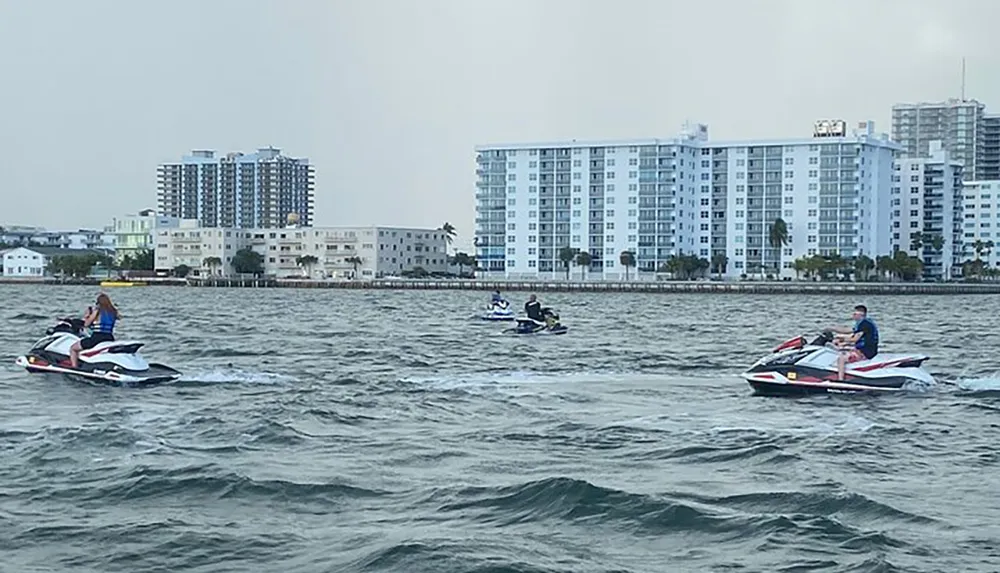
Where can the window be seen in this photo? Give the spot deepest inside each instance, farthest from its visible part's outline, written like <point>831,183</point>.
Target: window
<point>789,200</point>
<point>789,161</point>
<point>813,173</point>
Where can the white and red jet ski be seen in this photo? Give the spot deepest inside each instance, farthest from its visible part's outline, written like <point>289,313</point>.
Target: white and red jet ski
<point>798,367</point>
<point>117,362</point>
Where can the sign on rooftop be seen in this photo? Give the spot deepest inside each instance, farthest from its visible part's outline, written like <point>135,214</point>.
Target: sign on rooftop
<point>830,128</point>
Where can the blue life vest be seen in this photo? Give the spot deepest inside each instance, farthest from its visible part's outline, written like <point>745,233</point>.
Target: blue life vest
<point>105,322</point>
<point>864,343</point>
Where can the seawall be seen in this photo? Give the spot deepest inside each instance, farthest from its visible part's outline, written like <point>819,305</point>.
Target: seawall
<point>720,287</point>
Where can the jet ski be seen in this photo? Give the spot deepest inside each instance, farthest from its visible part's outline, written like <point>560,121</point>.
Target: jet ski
<point>499,310</point>
<point>550,325</point>
<point>799,367</point>
<point>117,362</point>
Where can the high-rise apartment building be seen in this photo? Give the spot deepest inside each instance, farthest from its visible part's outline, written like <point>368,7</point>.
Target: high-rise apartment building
<point>657,198</point>
<point>258,190</point>
<point>927,216</point>
<point>964,129</point>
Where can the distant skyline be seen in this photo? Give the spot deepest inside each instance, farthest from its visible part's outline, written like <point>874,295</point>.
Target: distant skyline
<point>387,98</point>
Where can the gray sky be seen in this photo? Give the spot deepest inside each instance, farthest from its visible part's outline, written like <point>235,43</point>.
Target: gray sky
<point>388,97</point>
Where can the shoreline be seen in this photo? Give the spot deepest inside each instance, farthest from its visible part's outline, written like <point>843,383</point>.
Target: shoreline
<point>704,287</point>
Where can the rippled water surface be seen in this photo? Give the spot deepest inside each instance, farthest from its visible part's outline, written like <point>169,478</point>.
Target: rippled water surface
<point>325,430</point>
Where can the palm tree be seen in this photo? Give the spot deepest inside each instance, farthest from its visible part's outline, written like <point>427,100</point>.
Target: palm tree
<point>211,262</point>
<point>719,262</point>
<point>449,232</point>
<point>916,241</point>
<point>937,242</point>
<point>583,260</point>
<point>306,262</point>
<point>354,261</point>
<point>863,265</point>
<point>627,260</point>
<point>567,255</point>
<point>777,238</point>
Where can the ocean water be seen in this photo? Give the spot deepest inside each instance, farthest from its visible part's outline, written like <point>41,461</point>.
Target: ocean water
<point>326,430</point>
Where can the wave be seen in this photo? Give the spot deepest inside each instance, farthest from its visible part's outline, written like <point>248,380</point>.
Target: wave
<point>729,518</point>
<point>212,482</point>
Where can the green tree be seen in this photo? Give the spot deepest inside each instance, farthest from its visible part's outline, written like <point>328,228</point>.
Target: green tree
<point>212,263</point>
<point>247,261</point>
<point>777,238</point>
<point>462,260</point>
<point>449,232</point>
<point>719,263</point>
<point>567,255</point>
<point>354,261</point>
<point>583,260</point>
<point>863,265</point>
<point>181,271</point>
<point>307,262</point>
<point>627,260</point>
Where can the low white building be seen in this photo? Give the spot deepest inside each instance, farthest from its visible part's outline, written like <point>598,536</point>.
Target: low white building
<point>26,262</point>
<point>23,262</point>
<point>317,252</point>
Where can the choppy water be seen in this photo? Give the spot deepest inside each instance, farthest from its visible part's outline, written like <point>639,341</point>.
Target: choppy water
<point>383,431</point>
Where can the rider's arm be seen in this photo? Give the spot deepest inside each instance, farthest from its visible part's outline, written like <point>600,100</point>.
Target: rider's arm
<point>91,317</point>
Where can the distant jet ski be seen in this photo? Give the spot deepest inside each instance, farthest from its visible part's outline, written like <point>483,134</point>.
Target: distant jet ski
<point>117,362</point>
<point>798,367</point>
<point>550,325</point>
<point>499,310</point>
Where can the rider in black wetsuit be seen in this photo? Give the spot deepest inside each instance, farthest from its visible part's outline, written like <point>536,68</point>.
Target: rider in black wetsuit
<point>533,309</point>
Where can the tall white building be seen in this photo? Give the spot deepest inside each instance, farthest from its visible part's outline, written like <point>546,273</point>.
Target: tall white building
<point>688,195</point>
<point>382,251</point>
<point>927,206</point>
<point>982,221</point>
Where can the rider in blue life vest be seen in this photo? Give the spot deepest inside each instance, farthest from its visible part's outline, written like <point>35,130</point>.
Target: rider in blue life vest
<point>102,319</point>
<point>858,343</point>
<point>497,299</point>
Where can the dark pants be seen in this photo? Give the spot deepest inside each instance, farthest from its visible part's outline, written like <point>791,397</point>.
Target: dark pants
<point>95,339</point>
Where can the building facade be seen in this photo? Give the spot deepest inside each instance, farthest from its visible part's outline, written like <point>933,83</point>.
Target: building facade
<point>963,127</point>
<point>33,262</point>
<point>134,233</point>
<point>980,213</point>
<point>659,198</point>
<point>339,252</point>
<point>257,190</point>
<point>103,241</point>
<point>927,216</point>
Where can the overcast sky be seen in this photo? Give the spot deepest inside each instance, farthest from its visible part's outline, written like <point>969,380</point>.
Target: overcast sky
<point>388,97</point>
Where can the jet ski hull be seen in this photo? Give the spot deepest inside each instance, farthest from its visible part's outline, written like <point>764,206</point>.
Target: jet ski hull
<point>499,311</point>
<point>107,374</point>
<point>796,368</point>
<point>110,362</point>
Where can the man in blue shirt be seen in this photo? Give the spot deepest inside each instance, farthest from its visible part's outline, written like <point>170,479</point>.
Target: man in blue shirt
<point>858,343</point>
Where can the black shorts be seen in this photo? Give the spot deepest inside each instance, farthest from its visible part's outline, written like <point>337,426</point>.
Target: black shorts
<point>95,339</point>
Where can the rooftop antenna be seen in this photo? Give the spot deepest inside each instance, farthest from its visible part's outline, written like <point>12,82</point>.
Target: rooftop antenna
<point>963,79</point>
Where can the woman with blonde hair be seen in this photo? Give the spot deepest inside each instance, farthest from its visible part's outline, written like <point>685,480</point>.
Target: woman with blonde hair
<point>104,315</point>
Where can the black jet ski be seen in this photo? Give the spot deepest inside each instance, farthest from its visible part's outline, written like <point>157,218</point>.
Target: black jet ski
<point>550,325</point>
<point>117,362</point>
<point>800,367</point>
